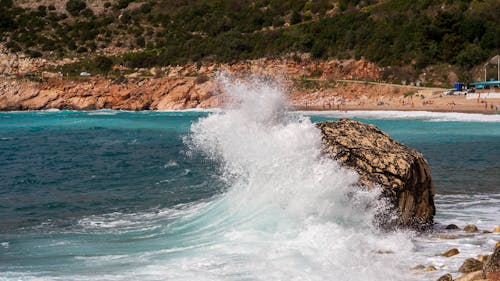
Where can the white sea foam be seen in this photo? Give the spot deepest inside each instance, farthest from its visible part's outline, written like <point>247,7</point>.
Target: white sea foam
<point>479,209</point>
<point>103,112</point>
<point>207,110</point>
<point>470,245</point>
<point>170,164</point>
<point>130,222</point>
<point>288,213</point>
<point>420,115</point>
<point>52,110</point>
<point>118,222</point>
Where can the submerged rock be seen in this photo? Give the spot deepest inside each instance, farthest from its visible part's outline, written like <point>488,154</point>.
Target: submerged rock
<point>496,229</point>
<point>471,265</point>
<point>471,228</point>
<point>452,227</point>
<point>419,267</point>
<point>402,172</point>
<point>450,253</point>
<point>445,236</point>
<point>446,277</point>
<point>430,268</point>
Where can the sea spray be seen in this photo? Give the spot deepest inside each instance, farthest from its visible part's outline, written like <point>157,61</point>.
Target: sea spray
<point>126,212</point>
<point>288,212</point>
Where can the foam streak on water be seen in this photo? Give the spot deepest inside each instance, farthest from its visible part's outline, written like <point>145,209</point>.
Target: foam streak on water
<point>404,115</point>
<point>288,213</point>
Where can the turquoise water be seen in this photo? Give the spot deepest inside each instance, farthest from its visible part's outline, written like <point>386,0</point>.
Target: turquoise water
<point>111,195</point>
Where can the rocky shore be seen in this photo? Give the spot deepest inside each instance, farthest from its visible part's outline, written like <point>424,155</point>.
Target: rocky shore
<point>25,87</point>
<point>404,177</point>
<point>100,93</point>
<point>176,91</point>
<point>483,267</point>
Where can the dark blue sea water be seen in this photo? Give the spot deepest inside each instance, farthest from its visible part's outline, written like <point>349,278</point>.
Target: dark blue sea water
<point>66,165</point>
<point>110,195</point>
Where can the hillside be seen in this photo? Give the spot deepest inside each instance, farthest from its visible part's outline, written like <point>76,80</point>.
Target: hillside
<point>406,35</point>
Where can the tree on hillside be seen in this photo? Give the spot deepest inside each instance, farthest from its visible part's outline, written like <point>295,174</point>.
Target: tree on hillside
<point>6,4</point>
<point>295,18</point>
<point>6,19</point>
<point>104,64</point>
<point>75,6</point>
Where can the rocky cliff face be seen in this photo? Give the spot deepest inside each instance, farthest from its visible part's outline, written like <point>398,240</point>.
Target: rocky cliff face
<point>401,172</point>
<point>170,87</point>
<point>100,93</point>
<point>12,63</point>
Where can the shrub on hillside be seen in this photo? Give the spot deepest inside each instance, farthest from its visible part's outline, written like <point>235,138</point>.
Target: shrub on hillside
<point>75,6</point>
<point>104,64</point>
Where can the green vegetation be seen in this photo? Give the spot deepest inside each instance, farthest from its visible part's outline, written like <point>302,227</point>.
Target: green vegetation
<point>410,93</point>
<point>74,7</point>
<point>306,83</point>
<point>99,65</point>
<point>389,32</point>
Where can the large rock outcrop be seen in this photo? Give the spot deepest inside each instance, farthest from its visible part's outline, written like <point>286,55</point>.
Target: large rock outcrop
<point>401,172</point>
<point>491,267</point>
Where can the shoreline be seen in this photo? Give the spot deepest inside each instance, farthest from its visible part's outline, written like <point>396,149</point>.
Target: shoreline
<point>292,109</point>
<point>374,109</point>
<point>425,102</point>
<point>186,93</point>
<point>318,109</point>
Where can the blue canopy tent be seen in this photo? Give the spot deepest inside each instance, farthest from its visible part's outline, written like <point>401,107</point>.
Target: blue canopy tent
<point>485,84</point>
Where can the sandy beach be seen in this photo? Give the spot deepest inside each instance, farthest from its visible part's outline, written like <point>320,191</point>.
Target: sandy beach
<point>424,99</point>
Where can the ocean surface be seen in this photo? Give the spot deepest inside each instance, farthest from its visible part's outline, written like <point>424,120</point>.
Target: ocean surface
<point>235,194</point>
